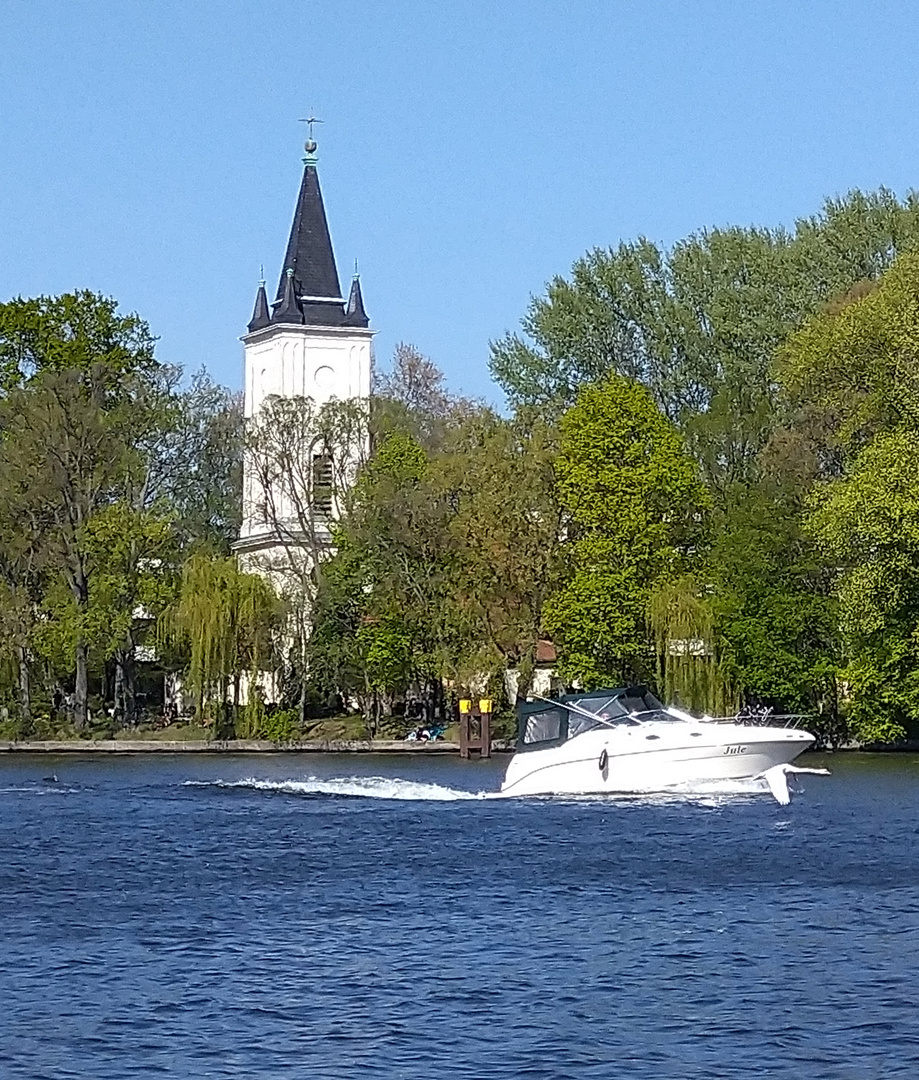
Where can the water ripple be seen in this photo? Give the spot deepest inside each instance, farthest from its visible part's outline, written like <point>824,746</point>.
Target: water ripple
<point>250,918</point>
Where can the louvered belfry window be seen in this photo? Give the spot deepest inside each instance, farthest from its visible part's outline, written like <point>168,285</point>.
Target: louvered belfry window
<point>322,484</point>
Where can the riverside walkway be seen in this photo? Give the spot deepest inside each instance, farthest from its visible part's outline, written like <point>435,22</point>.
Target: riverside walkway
<point>237,746</point>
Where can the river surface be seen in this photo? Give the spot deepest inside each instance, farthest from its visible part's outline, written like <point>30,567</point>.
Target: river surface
<point>343,917</point>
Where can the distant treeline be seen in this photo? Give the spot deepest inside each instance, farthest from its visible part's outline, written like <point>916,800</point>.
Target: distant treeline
<point>708,479</point>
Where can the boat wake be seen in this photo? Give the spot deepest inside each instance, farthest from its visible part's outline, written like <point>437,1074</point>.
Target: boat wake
<point>705,793</point>
<point>713,792</point>
<point>353,787</point>
<point>35,789</point>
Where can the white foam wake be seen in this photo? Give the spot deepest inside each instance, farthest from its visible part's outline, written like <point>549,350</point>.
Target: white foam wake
<point>747,786</point>
<point>712,792</point>
<point>362,787</point>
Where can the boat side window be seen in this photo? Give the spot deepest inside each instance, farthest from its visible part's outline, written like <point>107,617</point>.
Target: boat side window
<point>544,726</point>
<point>609,708</point>
<point>578,724</point>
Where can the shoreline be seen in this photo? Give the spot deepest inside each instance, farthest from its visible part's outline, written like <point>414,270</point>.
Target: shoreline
<point>309,746</point>
<point>237,746</point>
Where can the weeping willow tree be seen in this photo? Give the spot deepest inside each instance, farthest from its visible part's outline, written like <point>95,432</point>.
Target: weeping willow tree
<point>689,670</point>
<point>227,620</point>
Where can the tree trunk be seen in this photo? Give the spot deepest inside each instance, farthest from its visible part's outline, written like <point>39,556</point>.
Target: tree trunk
<point>125,696</point>
<point>81,687</point>
<point>303,701</point>
<point>25,689</point>
<point>367,708</point>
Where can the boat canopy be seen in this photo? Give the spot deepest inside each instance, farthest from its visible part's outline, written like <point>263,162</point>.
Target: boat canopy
<point>541,723</point>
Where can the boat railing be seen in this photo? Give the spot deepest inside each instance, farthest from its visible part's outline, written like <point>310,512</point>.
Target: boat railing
<point>762,718</point>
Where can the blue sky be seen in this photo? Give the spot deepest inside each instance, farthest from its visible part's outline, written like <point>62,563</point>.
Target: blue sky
<point>470,150</point>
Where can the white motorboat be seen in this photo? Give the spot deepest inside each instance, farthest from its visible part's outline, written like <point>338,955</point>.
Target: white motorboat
<point>625,740</point>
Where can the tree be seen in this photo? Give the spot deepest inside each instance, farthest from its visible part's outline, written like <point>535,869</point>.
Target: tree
<point>775,618</point>
<point>690,670</point>
<point>412,397</point>
<point>20,597</point>
<point>63,457</point>
<point>395,551</point>
<point>699,324</point>
<point>73,332</point>
<point>856,365</point>
<point>507,529</point>
<point>303,462</point>
<point>868,521</point>
<point>359,644</point>
<point>851,376</point>
<point>227,619</point>
<point>635,502</point>
<point>81,400</point>
<point>197,463</point>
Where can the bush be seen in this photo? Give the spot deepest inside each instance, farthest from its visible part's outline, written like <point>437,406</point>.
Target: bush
<point>11,730</point>
<point>282,726</point>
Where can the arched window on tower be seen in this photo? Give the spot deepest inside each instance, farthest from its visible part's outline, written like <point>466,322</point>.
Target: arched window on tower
<point>322,484</point>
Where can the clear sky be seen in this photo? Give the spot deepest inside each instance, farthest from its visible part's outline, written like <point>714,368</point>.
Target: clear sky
<point>471,150</point>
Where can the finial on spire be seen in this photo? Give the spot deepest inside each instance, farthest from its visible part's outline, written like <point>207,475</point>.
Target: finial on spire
<point>357,272</point>
<point>310,145</point>
<point>261,275</point>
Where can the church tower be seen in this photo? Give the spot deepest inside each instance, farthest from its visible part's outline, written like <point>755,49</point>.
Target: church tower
<point>309,342</point>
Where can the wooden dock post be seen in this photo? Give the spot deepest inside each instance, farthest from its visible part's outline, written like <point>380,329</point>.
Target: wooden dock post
<point>475,727</point>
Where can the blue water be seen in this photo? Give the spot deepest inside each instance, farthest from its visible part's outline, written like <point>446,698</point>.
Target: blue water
<point>231,917</point>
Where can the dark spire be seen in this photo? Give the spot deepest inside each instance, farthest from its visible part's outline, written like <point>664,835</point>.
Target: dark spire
<point>261,316</point>
<point>309,255</point>
<point>288,310</point>
<point>355,314</point>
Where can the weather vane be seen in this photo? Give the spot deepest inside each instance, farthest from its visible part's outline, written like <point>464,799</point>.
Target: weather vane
<point>310,120</point>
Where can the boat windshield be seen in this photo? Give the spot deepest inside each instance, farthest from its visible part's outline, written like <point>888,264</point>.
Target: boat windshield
<point>545,723</point>
<point>621,707</point>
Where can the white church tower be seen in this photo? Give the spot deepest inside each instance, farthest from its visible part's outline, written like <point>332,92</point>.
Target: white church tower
<point>308,343</point>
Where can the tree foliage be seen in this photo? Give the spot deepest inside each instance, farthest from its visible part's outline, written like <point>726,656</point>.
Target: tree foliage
<point>635,504</point>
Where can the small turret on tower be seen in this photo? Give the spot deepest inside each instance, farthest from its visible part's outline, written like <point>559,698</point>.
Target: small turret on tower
<point>355,315</point>
<point>288,310</point>
<point>261,316</point>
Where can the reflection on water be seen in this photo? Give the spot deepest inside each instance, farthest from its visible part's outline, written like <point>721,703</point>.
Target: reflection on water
<point>290,916</point>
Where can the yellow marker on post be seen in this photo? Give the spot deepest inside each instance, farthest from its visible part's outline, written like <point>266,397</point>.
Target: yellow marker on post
<point>465,705</point>
<point>485,704</point>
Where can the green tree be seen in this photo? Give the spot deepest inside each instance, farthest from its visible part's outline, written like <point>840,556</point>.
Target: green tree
<point>851,376</point>
<point>81,398</point>
<point>228,621</point>
<point>197,463</point>
<point>304,460</point>
<point>506,529</point>
<point>635,504</point>
<point>63,457</point>
<point>699,324</point>
<point>868,521</point>
<point>775,619</point>
<point>73,332</point>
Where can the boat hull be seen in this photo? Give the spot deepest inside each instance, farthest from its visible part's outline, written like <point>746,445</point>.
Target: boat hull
<point>637,759</point>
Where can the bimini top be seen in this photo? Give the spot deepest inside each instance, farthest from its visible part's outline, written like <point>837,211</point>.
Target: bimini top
<point>541,724</point>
